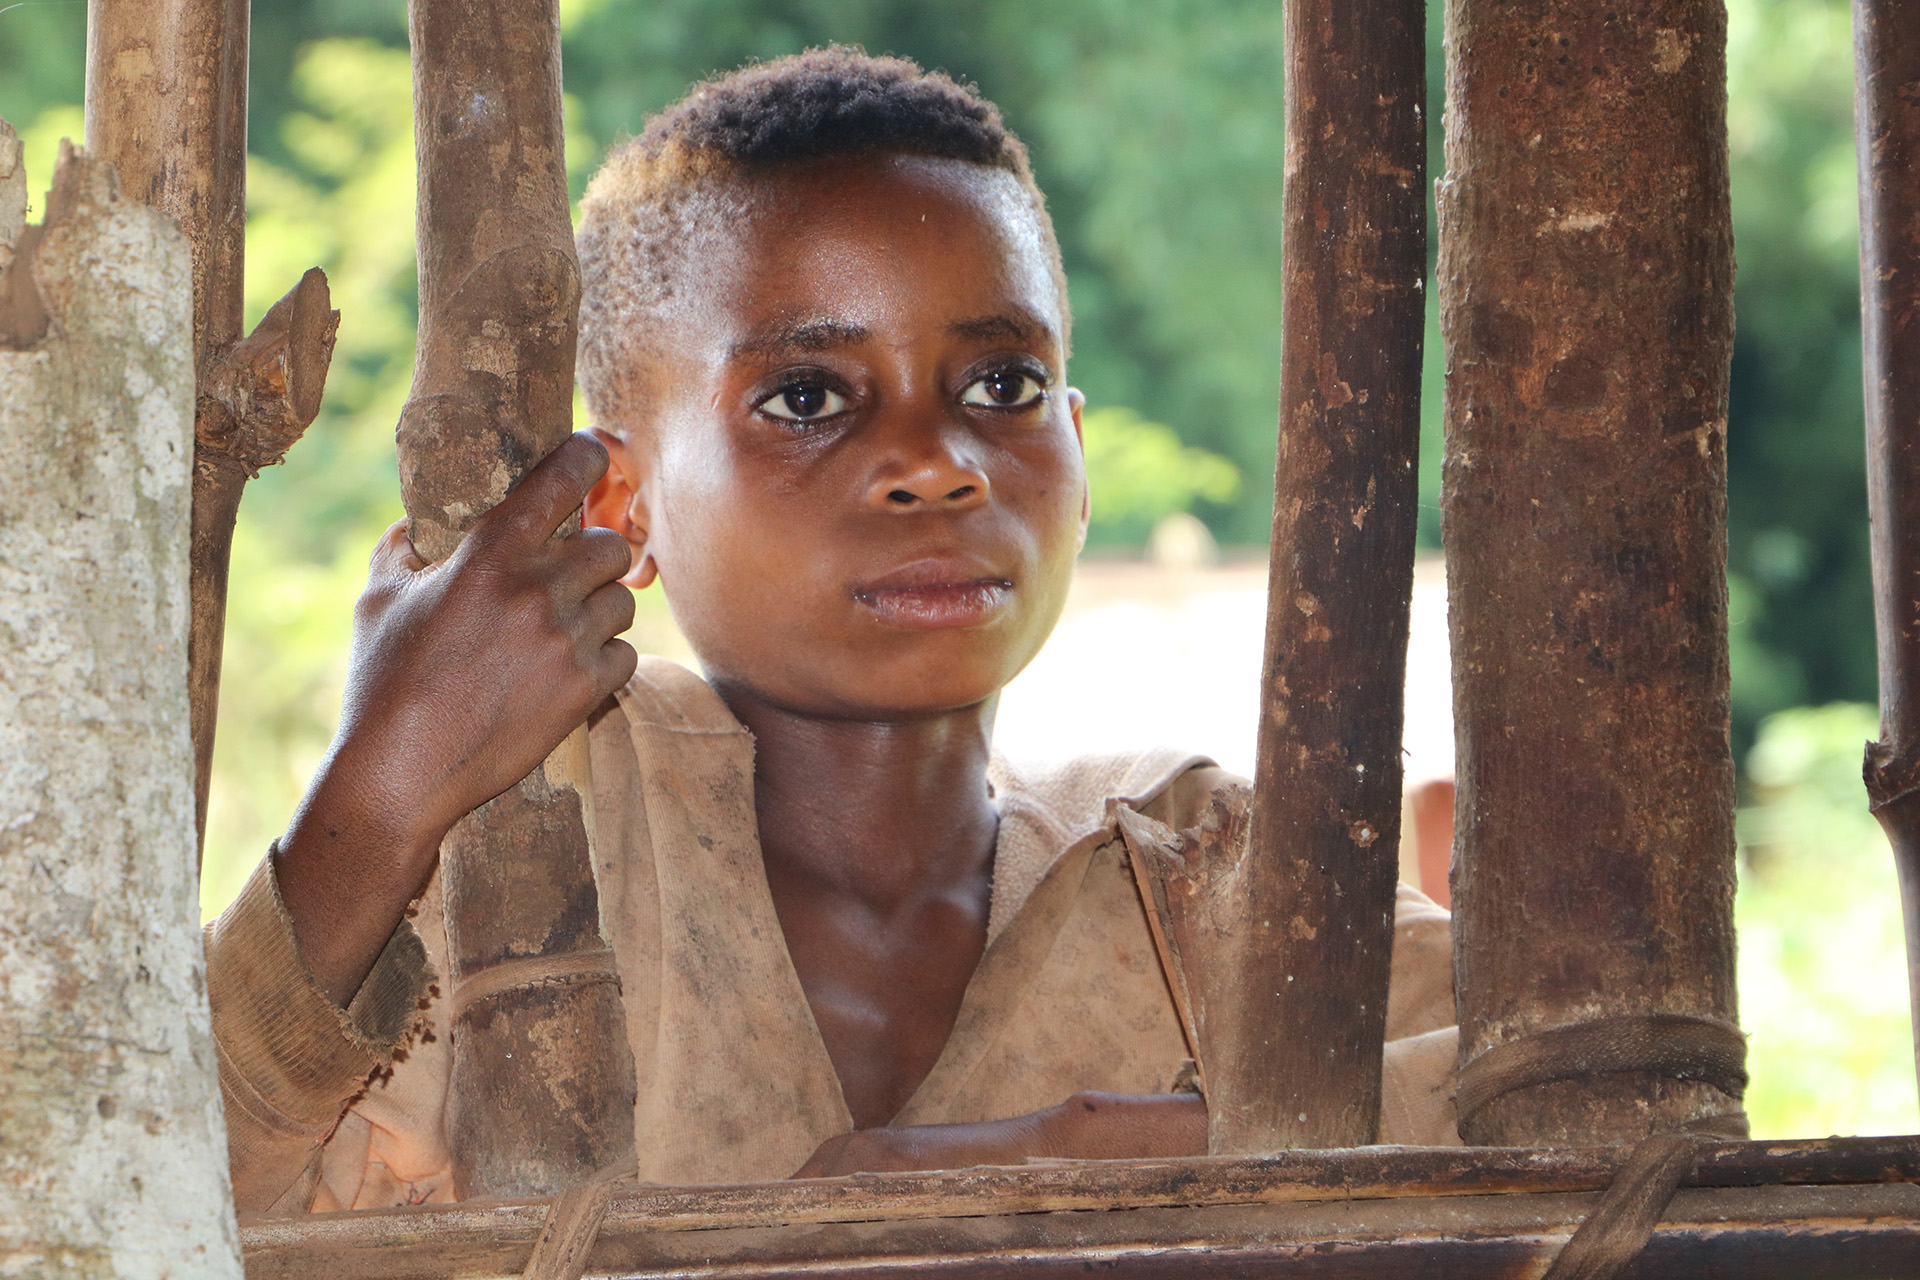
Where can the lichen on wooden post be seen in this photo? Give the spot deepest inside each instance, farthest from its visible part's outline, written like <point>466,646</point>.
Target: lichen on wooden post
<point>113,1153</point>
<point>1887,115</point>
<point>543,1081</point>
<point>1586,276</point>
<point>1297,1060</point>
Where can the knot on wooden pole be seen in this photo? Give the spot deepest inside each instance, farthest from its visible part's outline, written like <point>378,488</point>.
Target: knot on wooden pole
<point>258,399</point>
<point>1890,773</point>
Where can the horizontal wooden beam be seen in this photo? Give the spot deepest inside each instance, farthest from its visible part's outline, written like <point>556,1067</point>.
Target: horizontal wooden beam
<point>1832,1207</point>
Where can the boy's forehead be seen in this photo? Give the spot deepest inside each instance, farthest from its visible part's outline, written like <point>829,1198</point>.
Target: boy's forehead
<point>859,241</point>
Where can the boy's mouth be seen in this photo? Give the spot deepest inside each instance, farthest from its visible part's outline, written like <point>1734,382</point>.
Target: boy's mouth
<point>936,593</point>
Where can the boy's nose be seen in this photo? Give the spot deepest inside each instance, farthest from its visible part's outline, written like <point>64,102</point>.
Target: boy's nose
<point>934,475</point>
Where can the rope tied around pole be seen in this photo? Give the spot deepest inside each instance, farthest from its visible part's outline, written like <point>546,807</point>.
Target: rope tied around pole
<point>1675,1045</point>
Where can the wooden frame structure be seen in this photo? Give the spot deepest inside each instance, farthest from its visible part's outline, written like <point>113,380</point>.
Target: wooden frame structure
<point>1841,1207</point>
<point>1594,1050</point>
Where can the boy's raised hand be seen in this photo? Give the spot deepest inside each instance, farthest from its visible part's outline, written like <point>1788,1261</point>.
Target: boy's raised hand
<point>464,676</point>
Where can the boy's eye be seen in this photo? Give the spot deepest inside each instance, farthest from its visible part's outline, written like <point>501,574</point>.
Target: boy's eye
<point>803,402</point>
<point>1007,389</point>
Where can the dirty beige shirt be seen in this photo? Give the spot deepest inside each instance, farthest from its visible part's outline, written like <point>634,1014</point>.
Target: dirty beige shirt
<point>333,1109</point>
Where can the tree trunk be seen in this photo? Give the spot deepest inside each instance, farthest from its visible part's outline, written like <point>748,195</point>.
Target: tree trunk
<point>113,1153</point>
<point>1298,1062</point>
<point>1586,274</point>
<point>543,1081</point>
<point>1887,114</point>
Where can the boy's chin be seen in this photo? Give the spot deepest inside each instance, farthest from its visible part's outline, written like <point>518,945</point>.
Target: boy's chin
<point>875,695</point>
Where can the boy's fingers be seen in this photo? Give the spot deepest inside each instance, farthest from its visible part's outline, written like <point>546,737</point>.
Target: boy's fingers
<point>614,665</point>
<point>553,490</point>
<point>609,611</point>
<point>594,557</point>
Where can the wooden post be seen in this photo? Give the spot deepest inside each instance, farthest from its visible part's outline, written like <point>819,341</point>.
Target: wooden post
<point>1586,276</point>
<point>167,107</point>
<point>1887,115</point>
<point>1299,1058</point>
<point>113,1157</point>
<point>543,1081</point>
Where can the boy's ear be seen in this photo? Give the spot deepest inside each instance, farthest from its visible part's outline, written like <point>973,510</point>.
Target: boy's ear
<point>617,502</point>
<point>1076,401</point>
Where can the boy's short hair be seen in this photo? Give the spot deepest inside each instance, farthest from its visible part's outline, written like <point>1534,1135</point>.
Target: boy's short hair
<point>650,200</point>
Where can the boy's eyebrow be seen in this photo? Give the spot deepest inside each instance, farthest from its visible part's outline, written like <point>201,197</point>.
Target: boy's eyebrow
<point>787,336</point>
<point>988,328</point>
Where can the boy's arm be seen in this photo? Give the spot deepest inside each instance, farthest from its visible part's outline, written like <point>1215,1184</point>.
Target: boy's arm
<point>464,676</point>
<point>1087,1126</point>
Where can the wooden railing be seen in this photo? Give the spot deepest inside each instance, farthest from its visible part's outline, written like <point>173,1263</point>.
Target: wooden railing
<point>1799,1210</point>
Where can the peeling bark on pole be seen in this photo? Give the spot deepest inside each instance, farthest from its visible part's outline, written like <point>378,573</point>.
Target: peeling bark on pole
<point>543,1081</point>
<point>1586,274</point>
<point>1887,115</point>
<point>1299,1057</point>
<point>113,1152</point>
<point>167,106</point>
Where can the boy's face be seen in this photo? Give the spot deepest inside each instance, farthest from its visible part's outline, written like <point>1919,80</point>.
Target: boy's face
<point>860,480</point>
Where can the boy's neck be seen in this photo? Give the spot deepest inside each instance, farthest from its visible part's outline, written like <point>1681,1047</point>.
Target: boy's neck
<point>885,813</point>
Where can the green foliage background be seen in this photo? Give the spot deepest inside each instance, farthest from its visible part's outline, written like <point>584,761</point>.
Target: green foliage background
<point>1155,127</point>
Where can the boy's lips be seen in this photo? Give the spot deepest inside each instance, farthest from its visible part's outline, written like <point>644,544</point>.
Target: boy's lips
<point>936,593</point>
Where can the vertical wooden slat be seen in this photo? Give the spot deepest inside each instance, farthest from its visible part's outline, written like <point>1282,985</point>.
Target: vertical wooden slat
<point>1299,1060</point>
<point>1586,274</point>
<point>167,107</point>
<point>1887,117</point>
<point>543,1082</point>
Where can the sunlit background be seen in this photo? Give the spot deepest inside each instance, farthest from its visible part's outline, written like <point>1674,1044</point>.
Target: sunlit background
<point>1155,127</point>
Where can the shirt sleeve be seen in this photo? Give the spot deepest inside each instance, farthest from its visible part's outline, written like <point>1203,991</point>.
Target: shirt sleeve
<point>291,1061</point>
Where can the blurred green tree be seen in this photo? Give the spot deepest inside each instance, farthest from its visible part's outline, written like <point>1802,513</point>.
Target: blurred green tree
<point>1800,580</point>
<point>1140,472</point>
<point>1830,1045</point>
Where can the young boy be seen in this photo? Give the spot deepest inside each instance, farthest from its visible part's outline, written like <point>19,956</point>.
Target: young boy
<point>824,336</point>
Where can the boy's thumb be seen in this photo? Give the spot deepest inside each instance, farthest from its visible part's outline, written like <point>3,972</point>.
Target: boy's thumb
<point>393,556</point>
